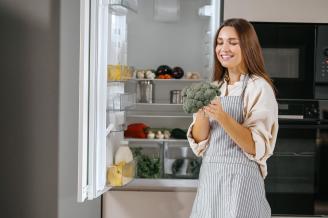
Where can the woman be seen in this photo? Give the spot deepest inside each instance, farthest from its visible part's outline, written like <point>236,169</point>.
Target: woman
<point>237,132</point>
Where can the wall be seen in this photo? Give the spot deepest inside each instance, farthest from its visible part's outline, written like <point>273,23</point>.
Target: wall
<point>152,43</point>
<point>29,108</point>
<point>68,116</point>
<point>278,10</point>
<point>39,109</point>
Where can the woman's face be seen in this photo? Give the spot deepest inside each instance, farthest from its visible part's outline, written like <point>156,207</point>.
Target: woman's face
<point>228,50</point>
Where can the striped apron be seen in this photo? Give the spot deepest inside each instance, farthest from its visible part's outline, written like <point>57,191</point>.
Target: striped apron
<point>230,184</point>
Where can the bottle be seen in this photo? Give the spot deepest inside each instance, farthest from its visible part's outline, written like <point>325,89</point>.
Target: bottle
<point>123,153</point>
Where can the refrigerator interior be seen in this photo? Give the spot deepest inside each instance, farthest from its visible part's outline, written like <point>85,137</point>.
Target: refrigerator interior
<point>144,41</point>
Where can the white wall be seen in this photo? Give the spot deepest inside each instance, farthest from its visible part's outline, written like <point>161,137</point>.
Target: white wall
<point>152,43</point>
<point>278,10</point>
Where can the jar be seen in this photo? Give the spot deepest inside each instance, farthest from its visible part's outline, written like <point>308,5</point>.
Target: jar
<point>175,97</point>
<point>145,91</point>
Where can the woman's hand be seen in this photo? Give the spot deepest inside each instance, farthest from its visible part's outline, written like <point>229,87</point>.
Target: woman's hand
<point>215,110</point>
<point>241,135</point>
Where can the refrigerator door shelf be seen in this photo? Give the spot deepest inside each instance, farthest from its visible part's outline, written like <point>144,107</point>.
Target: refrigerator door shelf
<point>121,174</point>
<point>120,101</point>
<point>122,7</point>
<point>116,121</point>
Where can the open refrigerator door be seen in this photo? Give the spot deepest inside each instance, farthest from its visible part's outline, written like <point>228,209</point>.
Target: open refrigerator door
<point>102,97</point>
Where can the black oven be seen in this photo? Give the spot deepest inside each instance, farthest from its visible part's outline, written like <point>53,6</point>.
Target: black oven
<point>296,57</point>
<point>296,170</point>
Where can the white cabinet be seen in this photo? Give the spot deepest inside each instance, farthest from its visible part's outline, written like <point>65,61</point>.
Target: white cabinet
<point>277,10</point>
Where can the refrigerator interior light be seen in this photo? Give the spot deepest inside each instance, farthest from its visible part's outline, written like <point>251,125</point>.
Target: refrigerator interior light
<point>122,7</point>
<point>166,10</point>
<point>206,11</point>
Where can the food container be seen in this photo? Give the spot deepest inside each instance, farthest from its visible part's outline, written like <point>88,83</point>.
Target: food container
<point>148,161</point>
<point>121,174</point>
<point>175,97</point>
<point>145,91</point>
<point>180,162</point>
<point>117,72</point>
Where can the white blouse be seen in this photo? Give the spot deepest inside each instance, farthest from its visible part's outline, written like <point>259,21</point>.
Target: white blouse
<point>261,117</point>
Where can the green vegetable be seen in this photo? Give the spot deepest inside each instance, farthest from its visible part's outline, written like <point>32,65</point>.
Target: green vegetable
<point>198,95</point>
<point>147,167</point>
<point>178,133</point>
<point>176,166</point>
<point>194,167</point>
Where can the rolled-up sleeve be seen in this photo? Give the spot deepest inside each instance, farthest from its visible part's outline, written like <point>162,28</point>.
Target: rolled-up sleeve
<point>200,147</point>
<point>261,118</point>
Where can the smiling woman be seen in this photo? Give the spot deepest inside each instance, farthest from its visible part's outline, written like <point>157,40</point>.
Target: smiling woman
<point>236,132</point>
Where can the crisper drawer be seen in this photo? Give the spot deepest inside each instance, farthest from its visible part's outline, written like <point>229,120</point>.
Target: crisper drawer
<point>291,172</point>
<point>148,160</point>
<point>180,162</point>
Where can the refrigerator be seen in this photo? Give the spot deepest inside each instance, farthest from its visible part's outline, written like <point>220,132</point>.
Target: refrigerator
<point>127,36</point>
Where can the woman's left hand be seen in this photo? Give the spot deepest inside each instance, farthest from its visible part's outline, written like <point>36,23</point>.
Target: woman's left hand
<point>214,109</point>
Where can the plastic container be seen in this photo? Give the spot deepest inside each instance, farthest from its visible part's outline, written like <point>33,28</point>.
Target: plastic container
<point>117,72</point>
<point>121,174</point>
<point>119,101</point>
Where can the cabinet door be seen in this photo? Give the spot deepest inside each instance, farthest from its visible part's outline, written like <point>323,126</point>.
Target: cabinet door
<point>92,99</point>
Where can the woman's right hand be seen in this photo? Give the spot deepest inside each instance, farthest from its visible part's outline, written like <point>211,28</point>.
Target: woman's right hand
<point>201,114</point>
<point>201,128</point>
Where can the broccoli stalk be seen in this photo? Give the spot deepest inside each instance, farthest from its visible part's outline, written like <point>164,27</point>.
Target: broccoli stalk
<point>198,95</point>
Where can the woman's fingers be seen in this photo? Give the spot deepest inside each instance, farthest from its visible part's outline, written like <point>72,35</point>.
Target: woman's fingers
<point>216,100</point>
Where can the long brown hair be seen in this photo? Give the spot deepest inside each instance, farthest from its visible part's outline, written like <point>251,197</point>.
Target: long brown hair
<point>250,49</point>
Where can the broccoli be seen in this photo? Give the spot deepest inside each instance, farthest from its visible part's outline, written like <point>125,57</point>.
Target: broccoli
<point>198,95</point>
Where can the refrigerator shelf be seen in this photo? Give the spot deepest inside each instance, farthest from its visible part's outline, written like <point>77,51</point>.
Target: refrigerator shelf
<point>159,116</point>
<point>155,140</point>
<point>158,104</point>
<point>169,80</point>
<point>161,184</point>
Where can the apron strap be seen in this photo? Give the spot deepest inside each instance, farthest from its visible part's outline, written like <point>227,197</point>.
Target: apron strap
<point>244,84</point>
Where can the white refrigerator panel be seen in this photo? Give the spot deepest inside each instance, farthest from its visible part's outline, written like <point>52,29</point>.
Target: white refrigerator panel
<point>83,102</point>
<point>96,110</point>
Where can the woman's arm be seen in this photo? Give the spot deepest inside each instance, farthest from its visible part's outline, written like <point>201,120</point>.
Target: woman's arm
<point>201,127</point>
<point>241,135</point>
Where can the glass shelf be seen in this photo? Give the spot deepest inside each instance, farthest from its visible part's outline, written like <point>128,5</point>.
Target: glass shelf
<point>155,140</point>
<point>170,80</point>
<point>159,116</point>
<point>158,104</point>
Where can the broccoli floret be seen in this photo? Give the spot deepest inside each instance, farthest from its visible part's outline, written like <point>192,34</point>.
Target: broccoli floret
<point>198,95</point>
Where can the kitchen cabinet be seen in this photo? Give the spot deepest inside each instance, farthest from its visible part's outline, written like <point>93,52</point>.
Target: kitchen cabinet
<point>301,11</point>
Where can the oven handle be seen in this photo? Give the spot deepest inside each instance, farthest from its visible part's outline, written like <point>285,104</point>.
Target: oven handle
<point>294,154</point>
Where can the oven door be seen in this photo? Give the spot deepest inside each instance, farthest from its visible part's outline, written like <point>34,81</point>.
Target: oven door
<point>288,51</point>
<point>290,183</point>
